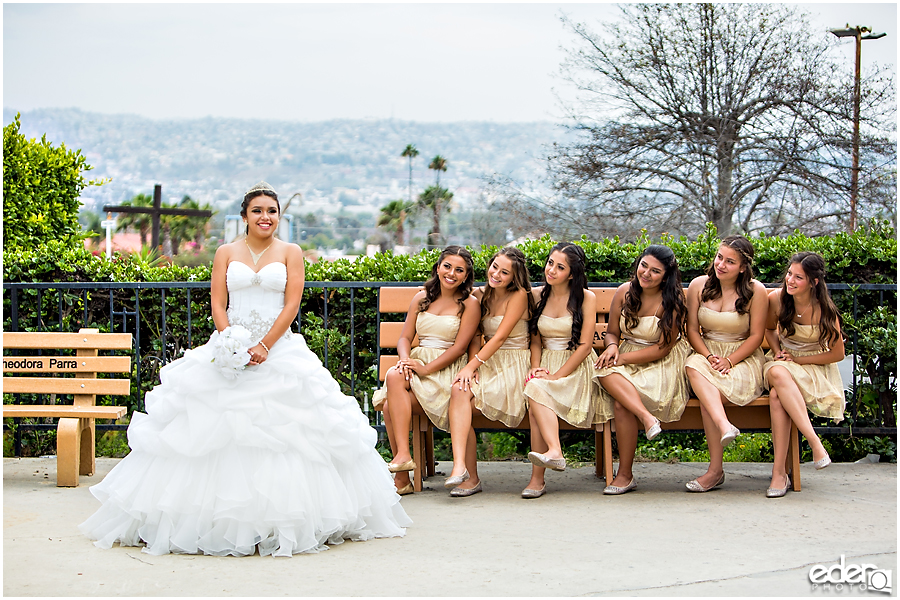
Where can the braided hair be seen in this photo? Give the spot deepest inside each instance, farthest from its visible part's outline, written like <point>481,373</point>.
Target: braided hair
<point>713,287</point>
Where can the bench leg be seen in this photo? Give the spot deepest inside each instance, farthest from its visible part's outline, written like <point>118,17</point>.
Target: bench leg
<point>68,451</point>
<point>88,435</point>
<point>429,450</point>
<point>792,461</point>
<point>418,450</point>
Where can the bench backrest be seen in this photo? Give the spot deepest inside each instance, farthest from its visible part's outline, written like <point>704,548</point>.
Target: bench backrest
<point>85,364</point>
<point>397,299</point>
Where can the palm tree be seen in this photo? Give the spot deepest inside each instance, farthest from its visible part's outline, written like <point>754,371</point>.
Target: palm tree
<point>141,222</point>
<point>392,217</point>
<point>177,229</point>
<point>438,163</point>
<point>410,152</point>
<point>436,199</point>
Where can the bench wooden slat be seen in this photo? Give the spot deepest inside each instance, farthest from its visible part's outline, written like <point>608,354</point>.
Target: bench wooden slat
<point>604,299</point>
<point>66,364</point>
<point>396,299</point>
<point>66,385</point>
<point>46,340</point>
<point>65,410</point>
<point>390,335</point>
<point>599,332</point>
<point>386,362</point>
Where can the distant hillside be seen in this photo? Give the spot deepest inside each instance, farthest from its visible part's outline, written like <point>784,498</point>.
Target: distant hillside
<point>348,162</point>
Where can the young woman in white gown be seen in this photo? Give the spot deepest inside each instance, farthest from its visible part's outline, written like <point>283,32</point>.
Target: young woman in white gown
<point>273,458</point>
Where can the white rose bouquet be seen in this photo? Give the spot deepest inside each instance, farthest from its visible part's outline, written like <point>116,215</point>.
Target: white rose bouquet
<point>230,348</point>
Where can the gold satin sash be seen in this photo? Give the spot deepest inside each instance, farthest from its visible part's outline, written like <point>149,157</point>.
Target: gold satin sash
<point>556,343</point>
<point>434,342</point>
<point>796,346</point>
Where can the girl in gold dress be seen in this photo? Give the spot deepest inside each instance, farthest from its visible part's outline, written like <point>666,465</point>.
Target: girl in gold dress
<point>804,334</point>
<point>730,307</point>
<point>445,316</point>
<point>641,372</point>
<point>560,382</point>
<point>492,381</point>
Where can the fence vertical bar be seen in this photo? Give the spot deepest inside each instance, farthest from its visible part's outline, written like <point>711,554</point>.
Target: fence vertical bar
<point>84,305</point>
<point>139,401</point>
<point>377,340</point>
<point>60,308</point>
<point>190,343</point>
<point>40,312</point>
<point>14,309</point>
<point>162,327</point>
<point>352,347</point>
<point>325,323</point>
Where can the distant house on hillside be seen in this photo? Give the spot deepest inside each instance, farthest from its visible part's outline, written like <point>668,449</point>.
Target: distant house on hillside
<point>121,242</point>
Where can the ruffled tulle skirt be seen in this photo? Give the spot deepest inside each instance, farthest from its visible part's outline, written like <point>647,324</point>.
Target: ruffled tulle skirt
<point>277,461</point>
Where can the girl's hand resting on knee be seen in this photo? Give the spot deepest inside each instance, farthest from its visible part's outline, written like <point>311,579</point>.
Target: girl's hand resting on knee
<point>465,378</point>
<point>784,355</point>
<point>609,358</point>
<point>537,372</point>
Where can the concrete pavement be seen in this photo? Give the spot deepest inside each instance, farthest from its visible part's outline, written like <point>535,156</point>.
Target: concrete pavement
<point>656,541</point>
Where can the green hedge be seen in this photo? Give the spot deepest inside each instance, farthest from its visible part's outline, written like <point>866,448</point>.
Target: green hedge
<point>867,256</point>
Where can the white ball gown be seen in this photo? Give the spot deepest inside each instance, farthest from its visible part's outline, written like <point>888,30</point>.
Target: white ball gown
<point>276,459</point>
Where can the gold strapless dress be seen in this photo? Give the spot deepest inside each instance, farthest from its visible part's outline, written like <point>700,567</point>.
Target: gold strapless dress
<point>821,385</point>
<point>574,397</point>
<point>723,333</point>
<point>662,384</point>
<point>436,334</point>
<point>499,394</point>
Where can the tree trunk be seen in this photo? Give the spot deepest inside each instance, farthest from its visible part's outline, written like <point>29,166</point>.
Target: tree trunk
<point>166,240</point>
<point>723,213</point>
<point>435,234</point>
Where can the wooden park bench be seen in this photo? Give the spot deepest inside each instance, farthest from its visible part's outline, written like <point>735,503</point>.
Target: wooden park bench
<point>397,300</point>
<point>754,415</point>
<point>75,432</point>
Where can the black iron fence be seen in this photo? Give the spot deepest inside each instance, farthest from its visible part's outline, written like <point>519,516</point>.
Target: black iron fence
<point>340,320</point>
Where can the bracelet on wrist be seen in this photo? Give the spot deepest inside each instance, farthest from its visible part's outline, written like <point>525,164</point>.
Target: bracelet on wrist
<point>708,355</point>
<point>479,359</point>
<point>612,344</point>
<point>731,364</point>
<point>264,346</point>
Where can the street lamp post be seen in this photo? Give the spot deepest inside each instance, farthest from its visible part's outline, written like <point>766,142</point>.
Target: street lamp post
<point>856,32</point>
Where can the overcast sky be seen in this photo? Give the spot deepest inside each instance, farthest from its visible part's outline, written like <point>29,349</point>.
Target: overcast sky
<point>311,62</point>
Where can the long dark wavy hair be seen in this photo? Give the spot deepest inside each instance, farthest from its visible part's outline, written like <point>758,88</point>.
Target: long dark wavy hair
<point>433,285</point>
<point>250,196</point>
<point>674,310</point>
<point>813,266</point>
<point>713,288</point>
<point>577,259</point>
<point>519,281</point>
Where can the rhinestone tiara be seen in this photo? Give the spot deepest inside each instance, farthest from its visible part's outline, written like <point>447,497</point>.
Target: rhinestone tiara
<point>262,186</point>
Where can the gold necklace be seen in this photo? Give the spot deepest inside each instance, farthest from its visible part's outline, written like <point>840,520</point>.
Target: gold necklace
<point>800,316</point>
<point>253,255</point>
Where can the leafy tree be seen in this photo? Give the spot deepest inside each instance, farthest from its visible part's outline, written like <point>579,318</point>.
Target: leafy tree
<point>733,114</point>
<point>393,216</point>
<point>141,221</point>
<point>41,189</point>
<point>410,152</point>
<point>436,200</point>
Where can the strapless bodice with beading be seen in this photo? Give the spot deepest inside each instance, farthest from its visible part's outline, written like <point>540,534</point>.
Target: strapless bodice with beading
<point>255,299</point>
